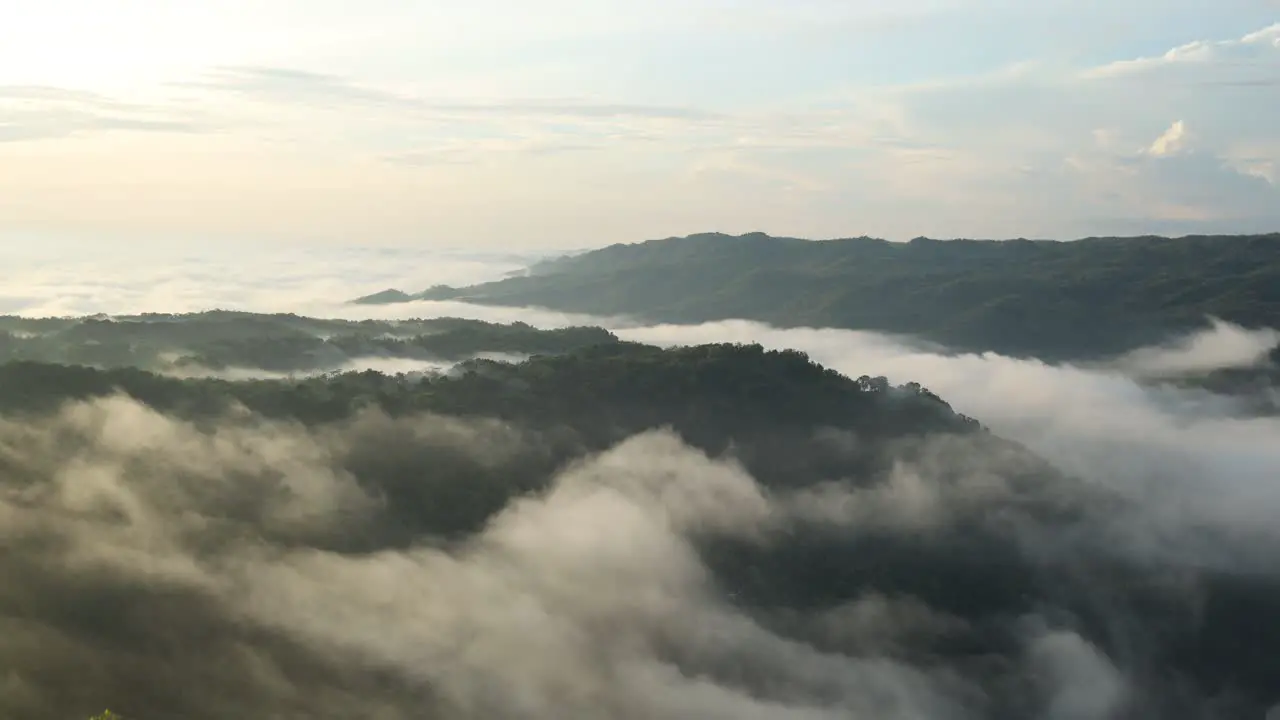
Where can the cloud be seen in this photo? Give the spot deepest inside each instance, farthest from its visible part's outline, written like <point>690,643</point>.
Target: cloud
<point>1171,141</point>
<point>1222,346</point>
<point>675,121</point>
<point>160,533</point>
<point>460,153</point>
<point>1191,458</point>
<point>65,278</point>
<point>233,544</point>
<point>416,130</point>
<point>147,513</point>
<point>1088,685</point>
<point>384,365</point>
<point>285,85</point>
<point>1022,144</point>
<point>32,112</point>
<point>1251,53</point>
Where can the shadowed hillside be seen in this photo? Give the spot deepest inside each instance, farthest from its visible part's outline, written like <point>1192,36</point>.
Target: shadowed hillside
<point>819,545</point>
<point>1053,300</point>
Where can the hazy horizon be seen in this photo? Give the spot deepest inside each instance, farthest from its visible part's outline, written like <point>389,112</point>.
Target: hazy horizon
<point>575,124</point>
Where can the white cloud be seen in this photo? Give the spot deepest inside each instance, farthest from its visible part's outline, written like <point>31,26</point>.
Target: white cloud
<point>1058,149</point>
<point>1255,46</point>
<point>561,606</point>
<point>1190,457</point>
<point>1223,346</point>
<point>35,112</point>
<point>1088,685</point>
<point>1171,142</point>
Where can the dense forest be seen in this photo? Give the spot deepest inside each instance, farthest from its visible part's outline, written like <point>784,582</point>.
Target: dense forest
<point>584,534</point>
<point>280,343</point>
<point>1083,299</point>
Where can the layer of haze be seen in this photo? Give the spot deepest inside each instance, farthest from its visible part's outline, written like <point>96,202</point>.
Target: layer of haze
<point>166,566</point>
<point>581,123</point>
<point>57,278</point>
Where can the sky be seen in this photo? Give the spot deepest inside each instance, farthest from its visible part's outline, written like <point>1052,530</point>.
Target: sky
<point>508,125</point>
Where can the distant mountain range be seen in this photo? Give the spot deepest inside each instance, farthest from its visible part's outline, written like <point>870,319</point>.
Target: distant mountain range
<point>1054,300</point>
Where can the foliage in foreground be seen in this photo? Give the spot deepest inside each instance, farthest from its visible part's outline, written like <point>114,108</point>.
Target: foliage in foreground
<point>430,451</point>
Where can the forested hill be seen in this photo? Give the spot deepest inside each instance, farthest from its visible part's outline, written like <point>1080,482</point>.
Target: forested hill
<point>711,393</point>
<point>768,408</point>
<point>890,532</point>
<point>280,343</point>
<point>1055,300</point>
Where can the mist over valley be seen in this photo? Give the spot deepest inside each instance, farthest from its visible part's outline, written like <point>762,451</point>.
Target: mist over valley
<point>445,509</point>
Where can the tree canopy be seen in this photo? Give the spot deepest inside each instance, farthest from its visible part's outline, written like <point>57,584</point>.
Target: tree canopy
<point>280,343</point>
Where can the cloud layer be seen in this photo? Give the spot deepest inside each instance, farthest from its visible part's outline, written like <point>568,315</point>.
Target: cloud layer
<point>59,278</point>
<point>168,569</point>
<point>1189,456</point>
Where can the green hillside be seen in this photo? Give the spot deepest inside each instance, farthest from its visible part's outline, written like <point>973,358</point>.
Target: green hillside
<point>1055,300</point>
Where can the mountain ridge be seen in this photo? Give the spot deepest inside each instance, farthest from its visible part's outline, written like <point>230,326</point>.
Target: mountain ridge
<point>1055,300</point>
